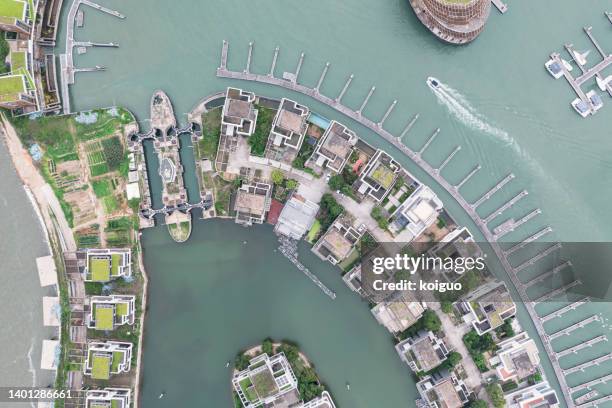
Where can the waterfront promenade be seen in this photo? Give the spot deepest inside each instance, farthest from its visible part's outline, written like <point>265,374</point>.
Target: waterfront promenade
<point>291,82</point>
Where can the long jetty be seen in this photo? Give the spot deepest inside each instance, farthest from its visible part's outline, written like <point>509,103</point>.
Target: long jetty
<point>452,190</point>
<point>568,330</point>
<point>568,308</point>
<point>586,344</point>
<point>588,364</point>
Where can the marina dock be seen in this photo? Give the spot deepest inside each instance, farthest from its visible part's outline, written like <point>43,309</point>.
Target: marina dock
<point>501,6</point>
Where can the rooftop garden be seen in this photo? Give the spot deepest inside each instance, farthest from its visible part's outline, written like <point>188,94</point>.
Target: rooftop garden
<point>105,318</point>
<point>10,87</point>
<point>12,8</point>
<point>383,176</point>
<point>100,367</point>
<point>100,269</point>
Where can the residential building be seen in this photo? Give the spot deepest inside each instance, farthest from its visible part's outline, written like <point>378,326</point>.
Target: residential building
<point>108,312</point>
<point>516,358</point>
<point>334,148</point>
<point>459,243</point>
<point>265,381</point>
<point>16,16</point>
<point>252,203</point>
<point>398,314</point>
<point>324,401</point>
<point>288,129</point>
<point>443,391</point>
<point>540,395</point>
<point>353,280</point>
<point>378,176</point>
<point>108,398</point>
<point>339,240</point>
<point>104,264</point>
<point>16,92</point>
<point>239,115</point>
<point>455,22</point>
<point>488,307</point>
<point>422,353</point>
<point>416,214</point>
<point>105,358</point>
<point>297,217</point>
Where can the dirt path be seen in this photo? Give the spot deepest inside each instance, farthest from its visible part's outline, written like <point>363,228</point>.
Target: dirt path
<point>43,193</point>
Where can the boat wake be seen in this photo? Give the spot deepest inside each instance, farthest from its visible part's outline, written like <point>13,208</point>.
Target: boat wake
<point>463,111</point>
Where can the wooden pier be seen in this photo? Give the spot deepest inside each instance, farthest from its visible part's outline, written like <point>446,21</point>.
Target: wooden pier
<point>589,384</point>
<point>588,364</point>
<point>494,190</point>
<point>501,6</point>
<point>587,344</point>
<point>571,307</point>
<point>512,224</point>
<point>568,330</point>
<point>408,127</point>
<point>596,403</point>
<point>506,206</point>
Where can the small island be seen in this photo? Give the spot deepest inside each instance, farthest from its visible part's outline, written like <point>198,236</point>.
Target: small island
<point>277,373</point>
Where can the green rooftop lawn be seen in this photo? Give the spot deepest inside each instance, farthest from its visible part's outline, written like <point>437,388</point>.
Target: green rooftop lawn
<point>384,176</point>
<point>114,404</point>
<point>117,359</point>
<point>104,318</point>
<point>10,87</point>
<point>100,269</point>
<point>122,309</point>
<point>12,8</point>
<point>100,367</point>
<point>115,261</point>
<point>18,60</point>
<point>264,384</point>
<point>247,387</point>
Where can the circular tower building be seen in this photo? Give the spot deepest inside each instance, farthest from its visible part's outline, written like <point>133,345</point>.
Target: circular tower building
<point>453,21</point>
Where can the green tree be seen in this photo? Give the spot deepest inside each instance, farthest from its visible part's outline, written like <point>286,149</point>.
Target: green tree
<point>431,321</point>
<point>267,347</point>
<point>291,184</point>
<point>497,395</point>
<point>242,361</point>
<point>454,358</point>
<point>446,306</point>
<point>478,404</point>
<point>278,177</point>
<point>336,182</point>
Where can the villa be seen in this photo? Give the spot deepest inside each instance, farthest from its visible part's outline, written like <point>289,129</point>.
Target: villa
<point>104,265</point>
<point>288,131</point>
<point>334,148</point>
<point>398,314</point>
<point>339,240</point>
<point>488,307</point>
<point>108,312</point>
<point>266,381</point>
<point>353,280</point>
<point>416,214</point>
<point>422,353</point>
<point>108,398</point>
<point>297,217</point>
<point>107,357</point>
<point>324,401</point>
<point>443,391</point>
<point>15,16</point>
<point>516,359</point>
<point>457,243</point>
<point>252,203</point>
<point>540,395</point>
<point>239,116</point>
<point>15,92</point>
<point>378,176</point>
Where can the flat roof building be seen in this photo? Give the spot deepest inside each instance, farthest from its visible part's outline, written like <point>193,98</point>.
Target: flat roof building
<point>252,203</point>
<point>452,21</point>
<point>540,395</point>
<point>239,115</point>
<point>443,391</point>
<point>398,314</point>
<point>16,16</point>
<point>423,352</point>
<point>334,148</point>
<point>289,125</point>
<point>108,398</point>
<point>104,264</point>
<point>297,217</point>
<point>378,176</point>
<point>516,358</point>
<point>339,240</point>
<point>416,214</point>
<point>324,401</point>
<point>105,358</point>
<point>108,312</point>
<point>15,92</point>
<point>488,307</point>
<point>264,381</point>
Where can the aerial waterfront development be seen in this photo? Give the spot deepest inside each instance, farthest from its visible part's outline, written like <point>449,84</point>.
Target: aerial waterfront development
<point>218,216</point>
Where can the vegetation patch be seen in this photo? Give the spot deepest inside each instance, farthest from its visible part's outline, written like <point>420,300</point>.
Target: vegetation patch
<point>329,210</point>
<point>259,138</point>
<point>477,345</point>
<point>102,188</point>
<point>211,131</point>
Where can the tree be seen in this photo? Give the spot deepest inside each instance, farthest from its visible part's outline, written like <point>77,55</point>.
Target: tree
<point>242,361</point>
<point>497,395</point>
<point>291,184</point>
<point>336,182</point>
<point>478,404</point>
<point>431,321</point>
<point>267,347</point>
<point>454,358</point>
<point>278,177</point>
<point>446,306</point>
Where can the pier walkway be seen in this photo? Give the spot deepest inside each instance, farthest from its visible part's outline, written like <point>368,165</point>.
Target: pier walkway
<point>565,309</point>
<point>453,191</point>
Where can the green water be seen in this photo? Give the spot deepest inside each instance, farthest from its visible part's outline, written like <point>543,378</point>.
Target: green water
<point>499,104</point>
<point>216,294</point>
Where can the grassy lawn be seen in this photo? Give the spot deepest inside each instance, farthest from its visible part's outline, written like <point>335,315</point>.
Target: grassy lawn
<point>110,204</point>
<point>211,129</point>
<point>314,232</point>
<point>104,122</point>
<point>54,134</point>
<point>350,260</point>
<point>11,8</point>
<point>102,188</point>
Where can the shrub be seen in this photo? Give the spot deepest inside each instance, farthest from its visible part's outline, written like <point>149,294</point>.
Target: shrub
<point>496,394</point>
<point>267,347</point>
<point>278,177</point>
<point>113,152</point>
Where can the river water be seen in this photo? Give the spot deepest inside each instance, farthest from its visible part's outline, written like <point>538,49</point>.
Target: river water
<point>496,101</point>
